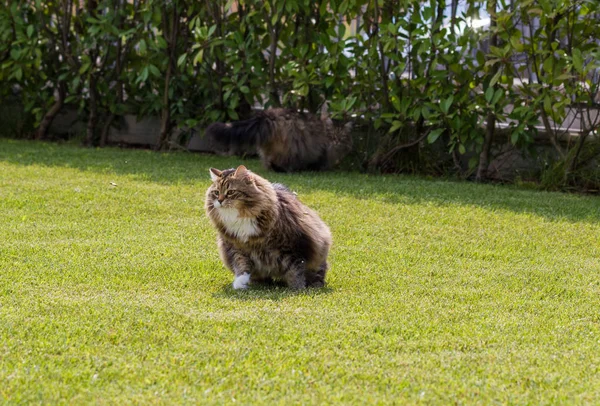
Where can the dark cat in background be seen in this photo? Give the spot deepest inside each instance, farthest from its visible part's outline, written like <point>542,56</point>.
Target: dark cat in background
<point>287,140</point>
<point>264,232</point>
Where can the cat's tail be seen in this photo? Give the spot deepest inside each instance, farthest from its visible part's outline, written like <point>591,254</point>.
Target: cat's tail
<point>239,134</point>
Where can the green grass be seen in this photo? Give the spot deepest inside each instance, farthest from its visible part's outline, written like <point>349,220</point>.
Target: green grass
<point>440,292</point>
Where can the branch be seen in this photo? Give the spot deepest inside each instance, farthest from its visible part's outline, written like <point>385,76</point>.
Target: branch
<point>388,155</point>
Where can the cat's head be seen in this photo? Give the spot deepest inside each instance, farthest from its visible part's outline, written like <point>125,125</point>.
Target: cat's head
<point>340,142</point>
<point>340,132</point>
<point>234,188</point>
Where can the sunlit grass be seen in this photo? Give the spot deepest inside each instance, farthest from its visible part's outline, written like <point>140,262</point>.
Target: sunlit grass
<point>111,290</point>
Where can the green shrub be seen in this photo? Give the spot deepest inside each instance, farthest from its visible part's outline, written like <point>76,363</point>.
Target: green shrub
<point>404,66</point>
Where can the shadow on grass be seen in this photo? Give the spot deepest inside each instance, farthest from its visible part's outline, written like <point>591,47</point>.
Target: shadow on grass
<point>191,168</point>
<point>270,291</point>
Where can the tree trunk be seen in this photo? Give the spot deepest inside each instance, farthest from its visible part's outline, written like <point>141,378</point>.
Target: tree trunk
<point>484,156</point>
<point>93,117</point>
<point>272,56</point>
<point>551,133</point>
<point>382,69</point>
<point>571,165</point>
<point>274,31</point>
<point>106,130</point>
<point>42,130</point>
<point>165,121</point>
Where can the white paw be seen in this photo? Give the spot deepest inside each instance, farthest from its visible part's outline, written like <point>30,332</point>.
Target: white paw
<point>242,281</point>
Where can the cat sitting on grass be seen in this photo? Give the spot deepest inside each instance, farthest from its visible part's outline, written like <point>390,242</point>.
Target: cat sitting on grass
<point>264,232</point>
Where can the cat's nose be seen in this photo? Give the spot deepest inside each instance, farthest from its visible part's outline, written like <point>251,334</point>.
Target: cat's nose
<point>220,200</point>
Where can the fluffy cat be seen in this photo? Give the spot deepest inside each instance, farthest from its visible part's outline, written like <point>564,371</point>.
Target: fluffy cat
<point>264,232</point>
<point>287,140</point>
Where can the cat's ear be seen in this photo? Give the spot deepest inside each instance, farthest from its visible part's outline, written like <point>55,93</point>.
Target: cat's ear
<point>215,173</point>
<point>324,111</point>
<point>241,172</point>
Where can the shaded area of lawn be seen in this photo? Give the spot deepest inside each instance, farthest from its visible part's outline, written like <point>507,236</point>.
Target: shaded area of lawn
<point>111,290</point>
<point>180,167</point>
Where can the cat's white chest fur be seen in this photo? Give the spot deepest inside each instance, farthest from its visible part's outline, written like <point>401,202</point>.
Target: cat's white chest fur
<point>241,227</point>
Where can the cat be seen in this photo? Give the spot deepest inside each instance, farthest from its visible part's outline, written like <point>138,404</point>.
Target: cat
<point>265,233</point>
<point>286,140</point>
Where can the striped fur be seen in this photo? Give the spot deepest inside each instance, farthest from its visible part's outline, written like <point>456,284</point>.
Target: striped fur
<point>265,231</point>
<point>286,140</point>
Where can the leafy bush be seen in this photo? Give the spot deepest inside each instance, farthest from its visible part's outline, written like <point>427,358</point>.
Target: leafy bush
<point>422,72</point>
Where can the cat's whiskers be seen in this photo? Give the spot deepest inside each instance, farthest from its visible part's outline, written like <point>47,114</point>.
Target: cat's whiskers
<point>210,212</point>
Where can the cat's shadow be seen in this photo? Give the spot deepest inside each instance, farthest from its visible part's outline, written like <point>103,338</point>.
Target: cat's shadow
<point>270,291</point>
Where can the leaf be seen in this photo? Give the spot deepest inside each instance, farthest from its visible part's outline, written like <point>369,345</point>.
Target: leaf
<point>212,29</point>
<point>495,78</point>
<point>416,114</point>
<point>489,93</point>
<point>341,31</point>
<point>396,104</point>
<point>154,70</point>
<point>445,104</point>
<point>434,135</point>
<point>323,9</point>
<point>462,149</point>
<point>144,74</point>
<point>480,58</point>
<point>473,162</point>
<point>496,51</point>
<point>142,47</point>
<point>161,43</point>
<point>548,65</point>
<point>564,77</point>
<point>181,59</point>
<point>577,60</point>
<point>427,12</point>
<point>229,5</point>
<point>497,96</point>
<point>84,68</point>
<point>344,7</point>
<point>395,126</point>
<point>548,105</point>
<point>19,74</point>
<point>244,89</point>
<point>514,138</point>
<point>30,31</point>
<point>233,115</point>
<point>198,57</point>
<point>351,102</point>
<point>517,44</point>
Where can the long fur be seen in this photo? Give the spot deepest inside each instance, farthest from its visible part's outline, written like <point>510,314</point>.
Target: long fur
<point>273,236</point>
<point>286,140</point>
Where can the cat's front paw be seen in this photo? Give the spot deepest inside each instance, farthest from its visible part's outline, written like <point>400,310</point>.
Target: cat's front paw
<point>242,281</point>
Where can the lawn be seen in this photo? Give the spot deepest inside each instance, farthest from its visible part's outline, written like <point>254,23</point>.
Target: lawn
<point>112,291</point>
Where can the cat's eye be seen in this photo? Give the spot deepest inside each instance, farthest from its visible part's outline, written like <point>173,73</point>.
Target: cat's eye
<point>229,193</point>
<point>216,193</point>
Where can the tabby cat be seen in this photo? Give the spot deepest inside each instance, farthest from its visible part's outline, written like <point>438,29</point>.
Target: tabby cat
<point>264,232</point>
<point>287,140</point>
